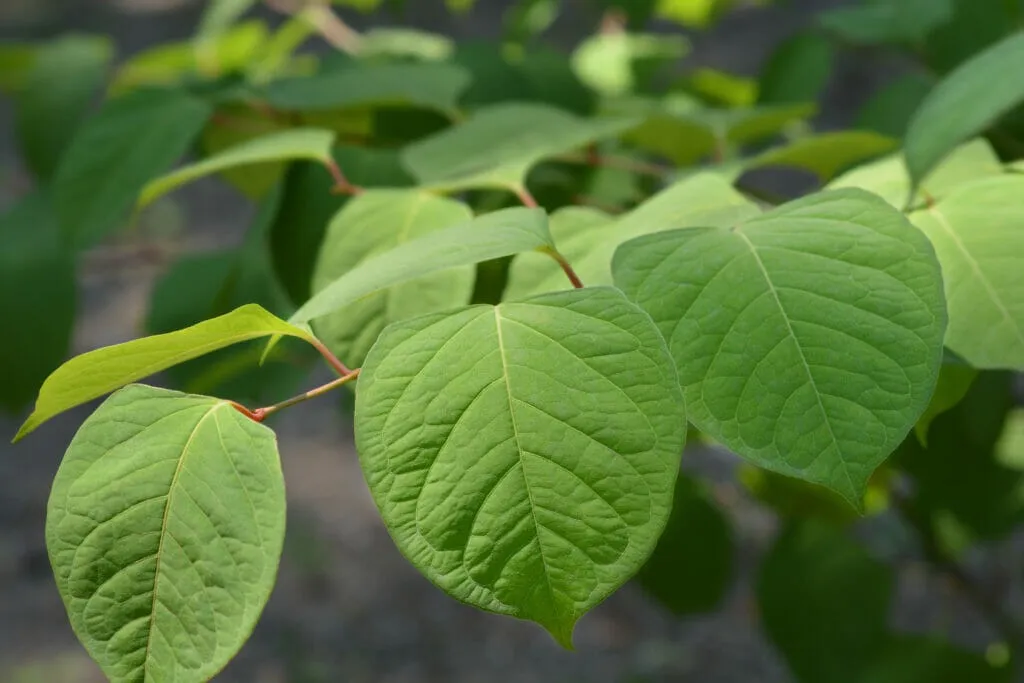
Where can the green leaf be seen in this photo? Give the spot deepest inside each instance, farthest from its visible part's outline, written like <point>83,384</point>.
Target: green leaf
<point>57,91</point>
<point>691,568</point>
<point>888,177</point>
<point>887,21</point>
<point>588,239</point>
<point>295,143</point>
<point>685,132</point>
<point>798,70</point>
<point>917,659</point>
<point>308,205</point>
<point>98,372</point>
<point>37,299</point>
<point>824,603</point>
<point>825,154</point>
<point>218,18</point>
<point>402,42</point>
<point>174,63</point>
<point>542,481</point>
<point>371,224</point>
<point>1010,447</point>
<point>964,104</point>
<point>431,86</point>
<point>613,64</point>
<point>16,61</point>
<point>890,109</point>
<point>808,339</point>
<point>115,153</point>
<point>498,145</point>
<point>236,124</point>
<point>164,528</point>
<point>987,503</point>
<point>976,231</point>
<point>492,236</point>
<point>955,380</point>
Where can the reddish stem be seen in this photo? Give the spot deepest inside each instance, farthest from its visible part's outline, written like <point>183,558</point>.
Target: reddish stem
<point>525,197</point>
<point>341,183</point>
<point>331,359</point>
<point>261,414</point>
<point>566,268</point>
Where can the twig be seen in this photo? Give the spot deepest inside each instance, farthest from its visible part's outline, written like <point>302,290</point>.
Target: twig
<point>261,414</point>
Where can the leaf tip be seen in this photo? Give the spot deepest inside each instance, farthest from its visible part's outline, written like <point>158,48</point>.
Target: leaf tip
<point>562,632</point>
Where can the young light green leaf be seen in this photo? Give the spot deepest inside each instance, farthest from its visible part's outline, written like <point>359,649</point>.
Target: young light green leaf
<point>977,235</point>
<point>543,480</point>
<point>371,224</point>
<point>218,17</point>
<point>36,274</point>
<point>588,239</point>
<point>691,567</point>
<point>888,177</point>
<point>498,145</point>
<point>55,96</point>
<point>610,63</point>
<point>808,339</point>
<point>295,143</point>
<point>824,602</point>
<point>825,154</point>
<point>491,236</point>
<point>431,86</point>
<point>164,528</point>
<point>964,104</point>
<point>98,372</point>
<point>116,152</point>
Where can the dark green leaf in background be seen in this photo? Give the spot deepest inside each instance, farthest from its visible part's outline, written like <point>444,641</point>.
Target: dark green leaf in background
<point>691,568</point>
<point>918,659</point>
<point>128,142</point>
<point>55,96</point>
<point>798,70</point>
<point>824,603</point>
<point>164,528</point>
<point>37,299</point>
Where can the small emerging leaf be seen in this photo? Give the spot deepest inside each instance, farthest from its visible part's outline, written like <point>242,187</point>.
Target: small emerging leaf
<point>808,339</point>
<point>542,480</point>
<point>164,528</point>
<point>98,372</point>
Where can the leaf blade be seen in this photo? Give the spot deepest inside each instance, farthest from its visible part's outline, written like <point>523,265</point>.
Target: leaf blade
<point>136,568</point>
<point>98,372</point>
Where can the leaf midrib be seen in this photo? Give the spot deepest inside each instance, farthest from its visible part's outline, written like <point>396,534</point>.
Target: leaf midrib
<point>800,352</point>
<point>519,449</point>
<point>163,529</point>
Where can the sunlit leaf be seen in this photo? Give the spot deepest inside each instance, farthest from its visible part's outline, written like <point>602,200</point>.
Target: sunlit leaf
<point>825,154</point>
<point>542,481</point>
<point>808,339</point>
<point>164,528</point>
<point>977,235</point>
<point>98,372</point>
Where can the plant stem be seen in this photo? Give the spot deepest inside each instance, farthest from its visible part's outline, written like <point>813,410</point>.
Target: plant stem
<point>318,14</point>
<point>341,183</point>
<point>331,359</point>
<point>261,414</point>
<point>566,268</point>
<point>525,197</point>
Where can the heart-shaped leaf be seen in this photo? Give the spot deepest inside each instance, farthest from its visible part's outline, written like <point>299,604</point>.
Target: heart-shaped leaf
<point>807,339</point>
<point>164,529</point>
<point>978,236</point>
<point>524,456</point>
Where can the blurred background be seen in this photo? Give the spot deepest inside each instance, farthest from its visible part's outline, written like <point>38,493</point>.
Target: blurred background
<point>347,607</point>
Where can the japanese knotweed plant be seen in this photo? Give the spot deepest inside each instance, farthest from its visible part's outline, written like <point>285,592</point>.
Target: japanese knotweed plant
<point>522,454</point>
